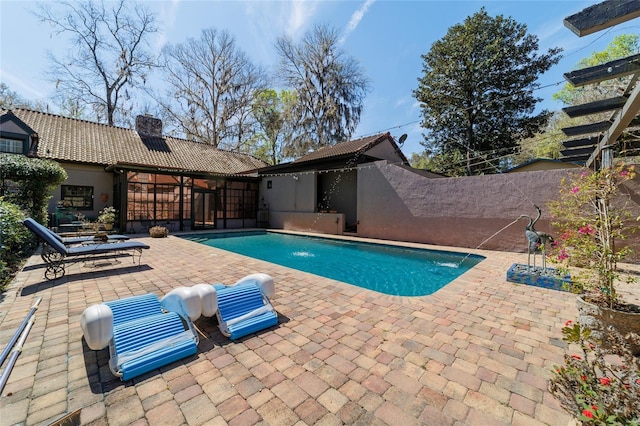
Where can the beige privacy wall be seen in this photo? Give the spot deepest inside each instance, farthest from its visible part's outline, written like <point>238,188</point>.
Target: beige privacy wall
<point>398,204</point>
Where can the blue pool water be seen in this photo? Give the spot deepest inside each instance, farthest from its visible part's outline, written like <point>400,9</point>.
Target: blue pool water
<point>383,268</point>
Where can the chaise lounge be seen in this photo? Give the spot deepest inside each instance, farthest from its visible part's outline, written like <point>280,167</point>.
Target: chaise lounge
<point>241,309</point>
<point>142,332</point>
<point>67,241</point>
<point>55,253</point>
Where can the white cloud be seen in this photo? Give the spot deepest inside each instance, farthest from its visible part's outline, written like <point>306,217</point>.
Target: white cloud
<point>19,86</point>
<point>405,101</point>
<point>355,19</point>
<point>300,14</point>
<point>265,21</point>
<point>166,22</point>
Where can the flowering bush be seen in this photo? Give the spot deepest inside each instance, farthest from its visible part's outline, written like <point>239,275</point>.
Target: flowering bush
<point>590,219</point>
<point>107,215</point>
<point>599,386</point>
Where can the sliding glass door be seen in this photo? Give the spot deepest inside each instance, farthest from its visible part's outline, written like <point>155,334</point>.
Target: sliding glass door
<point>204,209</point>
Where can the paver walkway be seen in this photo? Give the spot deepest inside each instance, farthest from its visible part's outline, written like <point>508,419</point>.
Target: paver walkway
<point>478,352</point>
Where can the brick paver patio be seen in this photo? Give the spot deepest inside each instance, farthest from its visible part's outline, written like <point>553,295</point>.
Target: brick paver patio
<point>477,352</point>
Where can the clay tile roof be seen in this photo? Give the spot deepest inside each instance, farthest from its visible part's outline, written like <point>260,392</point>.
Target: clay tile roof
<point>68,139</point>
<point>344,148</point>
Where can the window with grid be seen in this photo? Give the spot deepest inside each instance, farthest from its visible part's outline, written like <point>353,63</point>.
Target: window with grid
<point>155,197</point>
<point>77,197</point>
<point>242,198</point>
<point>12,146</point>
<point>140,196</point>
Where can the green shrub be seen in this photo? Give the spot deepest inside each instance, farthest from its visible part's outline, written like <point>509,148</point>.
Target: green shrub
<point>35,178</point>
<point>16,242</point>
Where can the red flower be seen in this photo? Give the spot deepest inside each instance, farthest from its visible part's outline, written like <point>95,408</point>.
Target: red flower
<point>587,413</point>
<point>584,378</point>
<point>578,357</point>
<point>575,189</point>
<point>568,323</point>
<point>588,230</point>
<point>605,381</point>
<point>562,255</point>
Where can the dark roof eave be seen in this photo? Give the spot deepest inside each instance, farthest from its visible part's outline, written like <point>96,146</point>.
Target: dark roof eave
<point>318,164</point>
<point>325,153</point>
<point>173,171</point>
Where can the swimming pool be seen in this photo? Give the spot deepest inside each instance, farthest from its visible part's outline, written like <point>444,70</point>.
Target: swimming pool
<point>383,268</point>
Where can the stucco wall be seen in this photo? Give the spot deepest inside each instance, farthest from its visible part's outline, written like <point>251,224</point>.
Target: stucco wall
<point>339,193</point>
<point>475,212</point>
<point>544,165</point>
<point>289,192</point>
<point>87,175</point>
<point>326,223</point>
<point>384,151</point>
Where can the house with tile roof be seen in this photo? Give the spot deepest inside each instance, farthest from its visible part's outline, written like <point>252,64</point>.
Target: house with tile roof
<point>321,190</point>
<point>363,186</point>
<point>148,177</point>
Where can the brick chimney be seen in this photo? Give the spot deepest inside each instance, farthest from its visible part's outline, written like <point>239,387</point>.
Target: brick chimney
<point>148,125</point>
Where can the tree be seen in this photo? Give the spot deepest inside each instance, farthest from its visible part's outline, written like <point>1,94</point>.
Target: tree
<point>109,54</point>
<point>476,92</point>
<point>10,100</point>
<point>620,47</point>
<point>330,88</point>
<point>71,108</point>
<point>273,113</point>
<point>549,143</point>
<point>448,163</point>
<point>212,83</point>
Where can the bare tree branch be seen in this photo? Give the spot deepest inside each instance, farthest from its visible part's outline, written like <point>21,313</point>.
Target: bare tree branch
<point>211,85</point>
<point>110,55</point>
<point>330,88</point>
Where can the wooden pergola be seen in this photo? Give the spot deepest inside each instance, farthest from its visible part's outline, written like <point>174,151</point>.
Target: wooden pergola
<point>625,108</point>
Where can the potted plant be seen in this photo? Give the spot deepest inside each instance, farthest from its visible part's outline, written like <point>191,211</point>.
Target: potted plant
<point>600,384</point>
<point>107,217</point>
<point>592,218</point>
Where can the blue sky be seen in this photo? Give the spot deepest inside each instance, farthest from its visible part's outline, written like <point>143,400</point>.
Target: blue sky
<point>385,37</point>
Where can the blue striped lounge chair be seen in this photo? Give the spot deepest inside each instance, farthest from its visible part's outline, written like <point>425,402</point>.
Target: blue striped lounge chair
<point>142,333</point>
<point>243,309</point>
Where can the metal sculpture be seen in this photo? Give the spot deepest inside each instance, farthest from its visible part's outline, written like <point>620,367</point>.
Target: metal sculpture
<point>537,241</point>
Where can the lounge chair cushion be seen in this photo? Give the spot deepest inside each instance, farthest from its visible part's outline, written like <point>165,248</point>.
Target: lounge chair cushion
<point>56,244</point>
<point>52,245</point>
<point>88,239</point>
<point>145,337</point>
<point>243,310</point>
